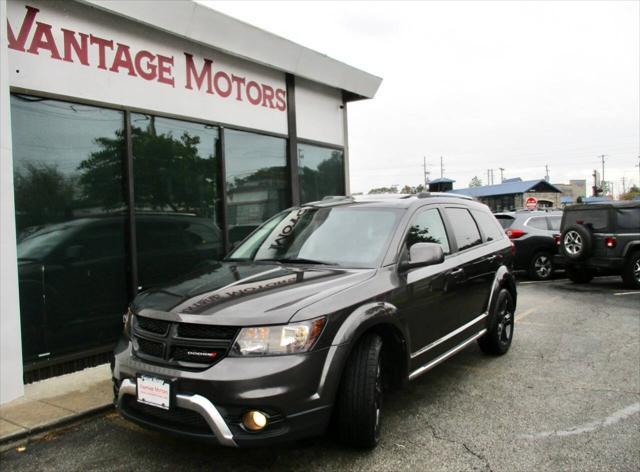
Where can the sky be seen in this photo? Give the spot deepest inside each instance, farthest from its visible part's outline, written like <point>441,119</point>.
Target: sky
<point>517,85</point>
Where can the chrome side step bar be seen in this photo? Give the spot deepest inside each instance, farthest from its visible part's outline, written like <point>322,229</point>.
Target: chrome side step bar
<point>445,356</point>
<point>196,403</point>
<point>448,336</point>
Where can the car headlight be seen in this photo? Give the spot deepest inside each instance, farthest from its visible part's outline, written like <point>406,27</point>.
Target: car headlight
<point>278,340</point>
<point>126,320</point>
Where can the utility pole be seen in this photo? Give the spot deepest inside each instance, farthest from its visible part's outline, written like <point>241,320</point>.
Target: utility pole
<point>624,187</point>
<point>488,177</point>
<point>602,156</point>
<point>546,172</point>
<point>594,189</point>
<point>426,174</point>
<point>638,166</point>
<point>441,168</point>
<point>501,174</point>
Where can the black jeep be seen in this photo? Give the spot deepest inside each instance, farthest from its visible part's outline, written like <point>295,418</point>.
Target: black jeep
<point>312,316</point>
<point>601,239</point>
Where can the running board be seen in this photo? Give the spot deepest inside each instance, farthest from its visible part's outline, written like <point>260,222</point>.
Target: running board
<point>445,356</point>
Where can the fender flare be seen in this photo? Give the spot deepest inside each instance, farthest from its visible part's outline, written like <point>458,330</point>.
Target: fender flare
<point>631,246</point>
<point>503,278</point>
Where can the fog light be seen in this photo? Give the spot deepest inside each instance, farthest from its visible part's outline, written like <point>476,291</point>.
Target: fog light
<point>254,420</point>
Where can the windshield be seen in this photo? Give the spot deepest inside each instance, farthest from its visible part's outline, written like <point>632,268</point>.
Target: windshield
<point>343,236</point>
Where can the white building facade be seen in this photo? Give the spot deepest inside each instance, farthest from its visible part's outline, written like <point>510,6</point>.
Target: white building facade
<point>141,140</point>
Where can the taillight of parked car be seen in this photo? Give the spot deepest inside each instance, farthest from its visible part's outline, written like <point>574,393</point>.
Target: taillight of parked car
<point>515,233</point>
<point>513,249</point>
<point>556,238</point>
<point>611,241</point>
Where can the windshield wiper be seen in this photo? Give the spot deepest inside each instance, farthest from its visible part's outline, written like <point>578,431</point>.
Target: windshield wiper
<point>298,260</point>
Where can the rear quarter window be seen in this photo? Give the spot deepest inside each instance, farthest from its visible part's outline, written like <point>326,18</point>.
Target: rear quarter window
<point>628,219</point>
<point>489,226</point>
<point>538,222</point>
<point>505,220</point>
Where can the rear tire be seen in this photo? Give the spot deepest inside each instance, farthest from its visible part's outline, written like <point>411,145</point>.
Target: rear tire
<point>541,266</point>
<point>497,340</point>
<point>579,275</point>
<point>360,398</point>
<point>631,271</point>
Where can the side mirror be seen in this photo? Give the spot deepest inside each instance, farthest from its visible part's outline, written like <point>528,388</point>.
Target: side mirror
<point>422,255</point>
<point>73,253</point>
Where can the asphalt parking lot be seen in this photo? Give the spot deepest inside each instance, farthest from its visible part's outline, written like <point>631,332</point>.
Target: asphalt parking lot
<point>566,397</point>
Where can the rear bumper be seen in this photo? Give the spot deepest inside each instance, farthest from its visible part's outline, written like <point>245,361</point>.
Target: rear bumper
<point>598,263</point>
<point>296,391</point>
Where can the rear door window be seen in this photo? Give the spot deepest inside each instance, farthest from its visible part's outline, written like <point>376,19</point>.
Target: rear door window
<point>490,227</point>
<point>596,219</point>
<point>464,228</point>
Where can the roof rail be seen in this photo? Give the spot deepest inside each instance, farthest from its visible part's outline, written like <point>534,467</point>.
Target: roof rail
<point>443,194</point>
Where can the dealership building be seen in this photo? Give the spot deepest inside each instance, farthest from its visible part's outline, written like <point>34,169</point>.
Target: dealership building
<point>140,141</point>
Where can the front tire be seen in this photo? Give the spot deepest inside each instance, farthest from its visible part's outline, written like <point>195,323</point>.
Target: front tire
<point>631,271</point>
<point>360,398</point>
<point>497,340</point>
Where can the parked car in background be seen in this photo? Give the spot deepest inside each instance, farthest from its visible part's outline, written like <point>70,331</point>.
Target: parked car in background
<point>312,316</point>
<point>601,239</point>
<point>533,232</point>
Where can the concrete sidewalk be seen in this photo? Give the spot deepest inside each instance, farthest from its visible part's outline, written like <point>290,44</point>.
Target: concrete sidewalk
<point>56,401</point>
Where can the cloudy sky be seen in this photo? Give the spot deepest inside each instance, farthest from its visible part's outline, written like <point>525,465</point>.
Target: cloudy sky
<point>484,84</point>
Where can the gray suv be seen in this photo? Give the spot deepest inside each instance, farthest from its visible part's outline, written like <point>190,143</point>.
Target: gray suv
<point>313,316</point>
<point>601,239</point>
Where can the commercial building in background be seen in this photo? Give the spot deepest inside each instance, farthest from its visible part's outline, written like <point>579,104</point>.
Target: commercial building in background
<point>572,191</point>
<point>140,141</point>
<point>512,194</point>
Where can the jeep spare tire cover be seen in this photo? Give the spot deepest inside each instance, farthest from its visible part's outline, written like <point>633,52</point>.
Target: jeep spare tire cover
<point>576,242</point>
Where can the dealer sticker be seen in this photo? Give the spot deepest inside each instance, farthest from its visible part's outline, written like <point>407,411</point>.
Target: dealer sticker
<point>153,391</point>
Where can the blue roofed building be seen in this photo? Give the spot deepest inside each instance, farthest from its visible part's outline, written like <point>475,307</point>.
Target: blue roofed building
<point>513,193</point>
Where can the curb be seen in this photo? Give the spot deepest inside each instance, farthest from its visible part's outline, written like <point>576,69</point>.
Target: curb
<point>20,435</point>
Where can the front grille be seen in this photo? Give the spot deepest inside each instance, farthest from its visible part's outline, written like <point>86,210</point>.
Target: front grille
<point>187,345</point>
<point>175,418</point>
<point>198,331</point>
<point>152,325</point>
<point>196,355</point>
<point>150,348</point>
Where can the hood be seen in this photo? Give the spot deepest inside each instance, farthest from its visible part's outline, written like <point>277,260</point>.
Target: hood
<point>243,294</point>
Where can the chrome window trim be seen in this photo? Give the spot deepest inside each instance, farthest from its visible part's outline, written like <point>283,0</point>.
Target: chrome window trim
<point>446,337</point>
<point>445,356</point>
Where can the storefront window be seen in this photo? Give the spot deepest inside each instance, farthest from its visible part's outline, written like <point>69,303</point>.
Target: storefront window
<point>70,213</point>
<point>177,197</point>
<point>257,183</point>
<point>321,172</point>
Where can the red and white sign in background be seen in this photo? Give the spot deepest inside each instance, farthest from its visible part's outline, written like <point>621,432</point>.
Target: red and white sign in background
<point>531,203</point>
<point>72,50</point>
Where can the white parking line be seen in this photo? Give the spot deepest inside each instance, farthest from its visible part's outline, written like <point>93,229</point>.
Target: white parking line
<point>618,294</point>
<point>588,427</point>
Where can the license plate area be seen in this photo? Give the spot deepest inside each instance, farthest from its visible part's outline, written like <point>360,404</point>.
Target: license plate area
<point>154,391</point>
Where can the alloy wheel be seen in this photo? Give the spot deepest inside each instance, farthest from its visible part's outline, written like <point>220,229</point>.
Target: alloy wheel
<point>636,271</point>
<point>505,322</point>
<point>542,266</point>
<point>573,242</point>
<point>378,399</point>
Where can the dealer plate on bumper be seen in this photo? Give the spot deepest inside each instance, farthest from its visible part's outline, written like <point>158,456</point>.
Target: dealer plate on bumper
<point>154,391</point>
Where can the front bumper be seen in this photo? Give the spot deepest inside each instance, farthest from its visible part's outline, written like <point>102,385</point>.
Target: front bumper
<point>296,391</point>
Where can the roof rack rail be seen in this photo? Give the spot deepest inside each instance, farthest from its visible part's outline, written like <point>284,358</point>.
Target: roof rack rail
<point>443,194</point>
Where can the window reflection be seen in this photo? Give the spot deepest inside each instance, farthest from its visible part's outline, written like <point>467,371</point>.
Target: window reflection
<point>321,172</point>
<point>257,184</point>
<point>177,203</point>
<point>70,207</point>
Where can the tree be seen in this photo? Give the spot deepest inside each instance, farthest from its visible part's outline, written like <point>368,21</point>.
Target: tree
<point>633,193</point>
<point>475,182</point>
<point>392,189</point>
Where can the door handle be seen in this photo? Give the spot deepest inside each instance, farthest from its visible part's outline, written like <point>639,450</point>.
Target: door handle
<point>492,258</point>
<point>457,273</point>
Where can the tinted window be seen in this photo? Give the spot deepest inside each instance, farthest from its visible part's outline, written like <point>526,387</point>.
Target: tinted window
<point>427,227</point>
<point>177,197</point>
<point>595,219</point>
<point>464,228</point>
<point>70,206</point>
<point>505,220</point>
<point>628,219</point>
<point>492,231</point>
<point>321,172</point>
<point>554,222</point>
<point>257,182</point>
<point>539,222</point>
<point>350,237</point>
